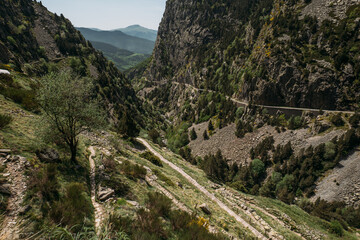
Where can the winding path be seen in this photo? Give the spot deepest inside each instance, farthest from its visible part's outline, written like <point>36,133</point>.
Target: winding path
<point>11,224</point>
<point>99,211</point>
<point>244,103</point>
<point>204,191</point>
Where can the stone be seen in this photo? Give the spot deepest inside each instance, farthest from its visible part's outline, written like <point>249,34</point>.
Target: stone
<point>48,155</point>
<point>24,210</point>
<point>133,203</point>
<point>205,209</point>
<point>7,151</point>
<point>105,193</point>
<point>5,189</point>
<point>322,127</point>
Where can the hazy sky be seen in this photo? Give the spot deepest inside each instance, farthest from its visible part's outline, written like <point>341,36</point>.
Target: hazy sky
<point>109,14</point>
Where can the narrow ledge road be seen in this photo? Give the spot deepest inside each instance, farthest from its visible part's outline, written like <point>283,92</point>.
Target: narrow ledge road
<point>204,191</point>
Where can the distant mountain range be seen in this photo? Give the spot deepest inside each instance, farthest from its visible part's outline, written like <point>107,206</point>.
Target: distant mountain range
<point>140,32</point>
<point>126,47</point>
<point>119,40</point>
<point>122,58</point>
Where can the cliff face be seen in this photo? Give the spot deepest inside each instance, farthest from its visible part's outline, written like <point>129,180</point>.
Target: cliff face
<point>291,53</point>
<point>36,41</point>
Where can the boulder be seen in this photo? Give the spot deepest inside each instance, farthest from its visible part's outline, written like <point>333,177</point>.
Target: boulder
<point>133,203</point>
<point>205,209</point>
<point>48,155</point>
<point>6,151</point>
<point>3,71</point>
<point>105,193</point>
<point>322,127</point>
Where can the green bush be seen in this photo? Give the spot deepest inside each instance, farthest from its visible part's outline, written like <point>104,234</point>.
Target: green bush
<point>335,227</point>
<point>152,158</point>
<point>5,120</point>
<point>154,135</point>
<point>257,168</point>
<point>133,171</point>
<point>159,203</point>
<point>74,207</point>
<point>26,98</point>
<point>330,150</point>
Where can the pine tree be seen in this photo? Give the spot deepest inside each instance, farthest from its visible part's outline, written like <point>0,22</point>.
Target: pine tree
<point>206,137</point>
<point>210,126</point>
<point>193,135</point>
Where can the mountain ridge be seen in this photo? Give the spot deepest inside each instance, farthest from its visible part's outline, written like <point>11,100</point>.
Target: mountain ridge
<point>120,40</point>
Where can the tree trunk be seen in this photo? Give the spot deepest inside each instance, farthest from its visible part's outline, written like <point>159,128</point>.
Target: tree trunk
<point>73,149</point>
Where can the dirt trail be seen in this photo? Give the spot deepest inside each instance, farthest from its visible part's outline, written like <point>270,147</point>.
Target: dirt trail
<point>11,224</point>
<point>99,210</point>
<point>204,191</point>
<point>245,103</point>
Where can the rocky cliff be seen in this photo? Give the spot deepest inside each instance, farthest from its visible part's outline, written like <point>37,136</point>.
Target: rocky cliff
<point>290,53</point>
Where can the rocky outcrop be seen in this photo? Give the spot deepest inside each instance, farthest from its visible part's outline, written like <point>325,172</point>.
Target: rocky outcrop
<point>205,209</point>
<point>223,46</point>
<point>105,193</point>
<point>48,155</point>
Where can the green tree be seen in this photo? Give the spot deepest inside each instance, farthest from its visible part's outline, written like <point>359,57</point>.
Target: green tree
<point>193,134</point>
<point>126,126</point>
<point>69,107</point>
<point>205,135</point>
<point>257,168</point>
<point>210,126</point>
<point>154,135</point>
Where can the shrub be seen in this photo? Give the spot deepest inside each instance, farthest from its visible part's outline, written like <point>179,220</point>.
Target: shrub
<point>44,182</point>
<point>159,203</point>
<point>295,122</point>
<point>133,171</point>
<point>330,151</point>
<point>154,135</point>
<point>74,207</point>
<point>5,120</point>
<point>115,182</point>
<point>336,228</point>
<point>152,158</point>
<point>354,120</point>
<point>337,120</point>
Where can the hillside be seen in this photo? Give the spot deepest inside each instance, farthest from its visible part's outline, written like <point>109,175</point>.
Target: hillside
<point>140,32</point>
<point>262,95</point>
<point>185,150</point>
<point>36,42</point>
<point>267,52</point>
<point>119,40</point>
<point>123,59</point>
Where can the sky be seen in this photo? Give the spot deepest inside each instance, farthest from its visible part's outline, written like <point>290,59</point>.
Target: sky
<point>109,14</point>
